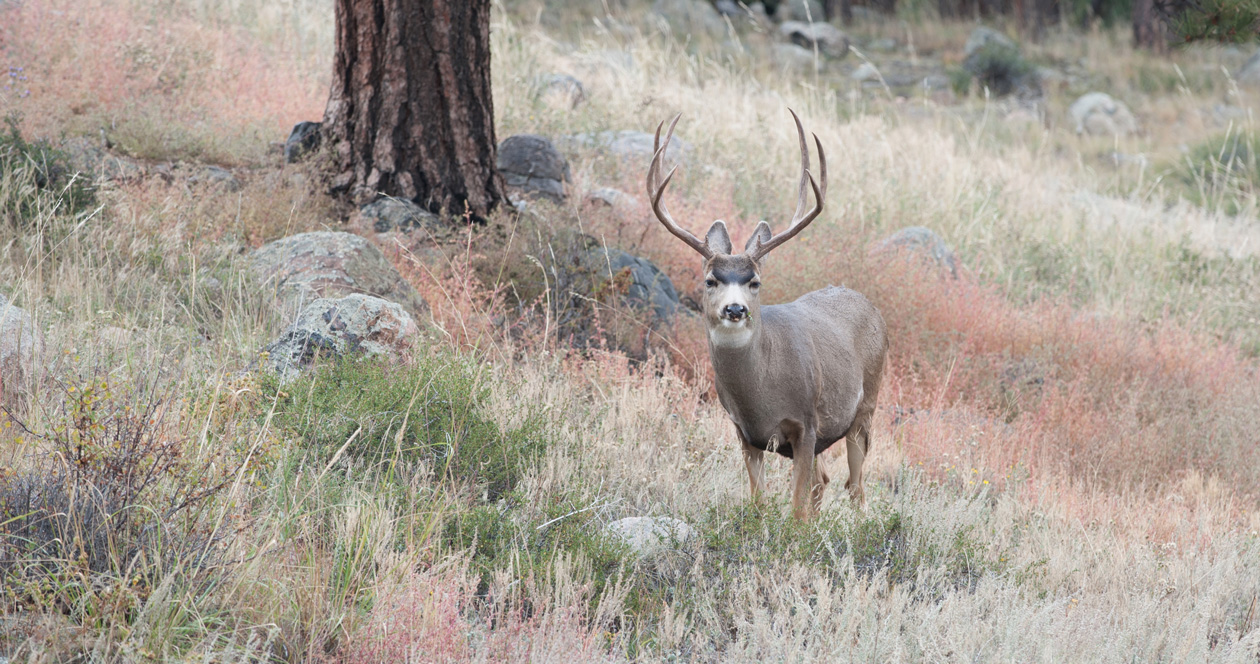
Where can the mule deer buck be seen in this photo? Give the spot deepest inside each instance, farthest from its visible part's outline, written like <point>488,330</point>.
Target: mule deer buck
<point>796,377</point>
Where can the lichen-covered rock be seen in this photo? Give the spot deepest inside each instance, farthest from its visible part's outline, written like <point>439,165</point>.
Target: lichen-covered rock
<point>399,214</point>
<point>924,242</point>
<point>800,10</point>
<point>561,91</point>
<point>326,264</point>
<point>829,40</point>
<point>643,283</point>
<point>795,58</point>
<point>94,161</point>
<point>647,534</point>
<point>303,139</point>
<point>530,164</point>
<point>1098,114</point>
<point>332,328</point>
<point>690,16</point>
<point>215,176</point>
<point>611,198</point>
<point>21,348</point>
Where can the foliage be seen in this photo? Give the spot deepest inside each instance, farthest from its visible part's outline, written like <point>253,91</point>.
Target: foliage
<point>1225,21</point>
<point>35,178</point>
<point>429,411</point>
<point>1001,68</point>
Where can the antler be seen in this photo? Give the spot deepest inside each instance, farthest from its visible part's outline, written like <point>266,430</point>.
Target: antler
<point>656,189</point>
<point>800,219</point>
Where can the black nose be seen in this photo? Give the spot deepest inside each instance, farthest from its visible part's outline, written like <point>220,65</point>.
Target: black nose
<point>734,311</point>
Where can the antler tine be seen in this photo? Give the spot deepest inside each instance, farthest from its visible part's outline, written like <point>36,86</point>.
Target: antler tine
<point>656,190</point>
<point>801,219</point>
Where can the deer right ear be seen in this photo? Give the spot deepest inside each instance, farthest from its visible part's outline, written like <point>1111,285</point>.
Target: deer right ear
<point>717,239</point>
<point>761,235</point>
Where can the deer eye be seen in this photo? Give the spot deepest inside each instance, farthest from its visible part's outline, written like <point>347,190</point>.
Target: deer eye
<point>711,283</point>
<point>754,285</point>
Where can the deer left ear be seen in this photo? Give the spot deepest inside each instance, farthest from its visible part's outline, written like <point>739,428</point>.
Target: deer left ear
<point>761,235</point>
<point>717,239</point>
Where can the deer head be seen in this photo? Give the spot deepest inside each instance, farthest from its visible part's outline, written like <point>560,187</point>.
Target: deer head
<point>732,281</point>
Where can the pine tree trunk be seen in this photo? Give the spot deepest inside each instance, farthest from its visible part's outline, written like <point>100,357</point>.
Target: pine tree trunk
<point>1148,27</point>
<point>410,113</point>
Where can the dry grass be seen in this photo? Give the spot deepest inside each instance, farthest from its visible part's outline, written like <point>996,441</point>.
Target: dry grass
<point>1063,459</point>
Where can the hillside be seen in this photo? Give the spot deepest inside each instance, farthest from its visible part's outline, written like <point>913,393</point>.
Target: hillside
<point>1063,462</point>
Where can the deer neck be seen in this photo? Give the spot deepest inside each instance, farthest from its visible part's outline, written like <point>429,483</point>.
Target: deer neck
<point>739,364</point>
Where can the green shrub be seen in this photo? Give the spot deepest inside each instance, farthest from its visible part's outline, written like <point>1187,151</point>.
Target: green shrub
<point>35,178</point>
<point>1002,69</point>
<point>430,410</point>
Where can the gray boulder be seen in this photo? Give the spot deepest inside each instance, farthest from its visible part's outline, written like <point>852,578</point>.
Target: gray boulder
<point>800,10</point>
<point>649,534</point>
<point>399,214</point>
<point>533,166</point>
<point>866,72</point>
<point>94,161</point>
<point>215,176</point>
<point>628,144</point>
<point>611,198</point>
<point>983,37</point>
<point>829,40</point>
<point>795,58</point>
<point>21,348</point>
<point>646,286</point>
<point>1098,114</point>
<point>923,242</point>
<point>1249,74</point>
<point>329,264</point>
<point>340,327</point>
<point>561,91</point>
<point>302,140</point>
<point>690,16</point>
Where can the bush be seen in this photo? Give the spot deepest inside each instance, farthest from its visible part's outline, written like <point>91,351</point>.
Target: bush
<point>35,179</point>
<point>1002,69</point>
<point>429,411</point>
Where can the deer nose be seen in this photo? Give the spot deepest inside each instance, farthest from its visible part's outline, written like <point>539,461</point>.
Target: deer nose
<point>734,311</point>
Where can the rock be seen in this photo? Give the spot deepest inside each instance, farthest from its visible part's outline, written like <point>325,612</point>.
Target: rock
<point>982,37</point>
<point>302,140</point>
<point>628,144</point>
<point>328,264</point>
<point>1249,74</point>
<point>612,198</point>
<point>865,72</point>
<point>562,91</point>
<point>690,16</point>
<point>728,8</point>
<point>399,214</point>
<point>88,157</point>
<point>215,176</point>
<point>645,285</point>
<point>797,58</point>
<point>1097,114</point>
<point>646,534</point>
<point>924,242</point>
<point>800,10</point>
<point>829,40</point>
<point>329,327</point>
<point>936,82</point>
<point>21,347</point>
<point>884,45</point>
<point>533,166</point>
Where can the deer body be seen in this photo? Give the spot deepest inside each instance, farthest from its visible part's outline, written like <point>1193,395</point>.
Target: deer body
<point>794,378</point>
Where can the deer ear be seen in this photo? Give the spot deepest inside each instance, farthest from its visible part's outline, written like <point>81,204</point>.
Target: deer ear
<point>717,239</point>
<point>761,235</point>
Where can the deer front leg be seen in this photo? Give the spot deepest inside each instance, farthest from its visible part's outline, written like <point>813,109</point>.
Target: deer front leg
<point>856,444</point>
<point>802,441</point>
<point>754,460</point>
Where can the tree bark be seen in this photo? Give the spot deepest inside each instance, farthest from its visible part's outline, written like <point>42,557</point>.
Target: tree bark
<point>410,113</point>
<point>1148,27</point>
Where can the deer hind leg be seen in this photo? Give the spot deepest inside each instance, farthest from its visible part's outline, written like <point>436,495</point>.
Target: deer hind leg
<point>821,479</point>
<point>754,461</point>
<point>857,443</point>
